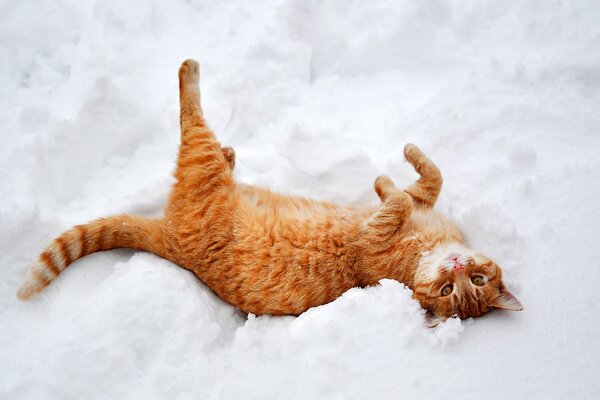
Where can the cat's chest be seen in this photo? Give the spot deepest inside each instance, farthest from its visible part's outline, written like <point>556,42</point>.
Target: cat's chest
<point>427,220</point>
<point>426,226</point>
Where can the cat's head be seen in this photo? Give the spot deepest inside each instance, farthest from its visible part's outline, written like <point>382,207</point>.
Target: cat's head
<point>453,280</point>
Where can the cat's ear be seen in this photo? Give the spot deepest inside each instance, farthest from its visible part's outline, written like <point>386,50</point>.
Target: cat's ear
<point>432,320</point>
<point>507,301</point>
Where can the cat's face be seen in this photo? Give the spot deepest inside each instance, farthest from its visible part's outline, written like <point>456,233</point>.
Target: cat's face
<point>455,280</point>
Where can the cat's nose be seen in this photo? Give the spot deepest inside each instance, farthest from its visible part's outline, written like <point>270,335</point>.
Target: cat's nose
<point>457,265</point>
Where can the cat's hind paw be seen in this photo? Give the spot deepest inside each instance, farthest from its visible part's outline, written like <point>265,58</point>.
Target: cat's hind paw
<point>229,155</point>
<point>189,73</point>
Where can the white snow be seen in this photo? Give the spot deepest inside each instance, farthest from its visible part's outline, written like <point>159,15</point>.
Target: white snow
<point>317,98</point>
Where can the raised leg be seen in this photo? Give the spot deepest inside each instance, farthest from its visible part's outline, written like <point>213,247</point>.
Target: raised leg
<point>189,95</point>
<point>190,116</point>
<point>201,162</point>
<point>201,206</point>
<point>393,215</point>
<point>377,244</point>
<point>427,189</point>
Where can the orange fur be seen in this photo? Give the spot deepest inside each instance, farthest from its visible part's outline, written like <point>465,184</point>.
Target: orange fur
<point>272,254</point>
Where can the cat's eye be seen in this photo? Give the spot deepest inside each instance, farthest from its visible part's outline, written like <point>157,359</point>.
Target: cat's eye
<point>447,290</point>
<point>478,280</point>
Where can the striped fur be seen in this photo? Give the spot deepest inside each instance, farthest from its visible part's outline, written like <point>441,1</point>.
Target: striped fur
<point>99,235</point>
<point>272,254</point>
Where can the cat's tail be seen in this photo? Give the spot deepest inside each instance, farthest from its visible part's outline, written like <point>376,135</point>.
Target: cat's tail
<point>102,234</point>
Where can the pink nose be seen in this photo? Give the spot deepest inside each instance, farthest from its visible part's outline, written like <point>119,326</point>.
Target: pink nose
<point>457,265</point>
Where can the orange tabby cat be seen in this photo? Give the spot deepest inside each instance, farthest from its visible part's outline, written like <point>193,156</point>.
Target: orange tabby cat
<point>271,254</point>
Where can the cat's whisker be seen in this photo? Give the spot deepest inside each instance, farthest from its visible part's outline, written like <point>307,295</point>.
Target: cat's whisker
<point>487,304</point>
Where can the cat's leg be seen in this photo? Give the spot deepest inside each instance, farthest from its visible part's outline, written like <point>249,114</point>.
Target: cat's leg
<point>393,215</point>
<point>229,155</point>
<point>190,116</point>
<point>427,189</point>
<point>203,200</point>
<point>201,160</point>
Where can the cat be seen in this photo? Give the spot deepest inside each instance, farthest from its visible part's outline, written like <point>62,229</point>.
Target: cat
<point>267,253</point>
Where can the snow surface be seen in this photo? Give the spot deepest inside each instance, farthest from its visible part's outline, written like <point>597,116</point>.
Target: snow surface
<point>317,98</point>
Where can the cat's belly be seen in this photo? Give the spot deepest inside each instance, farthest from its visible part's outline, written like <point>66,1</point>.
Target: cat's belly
<point>264,200</point>
<point>282,261</point>
<point>282,278</point>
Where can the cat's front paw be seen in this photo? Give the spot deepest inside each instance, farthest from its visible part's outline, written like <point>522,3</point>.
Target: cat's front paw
<point>413,154</point>
<point>384,186</point>
<point>189,73</point>
<point>422,164</point>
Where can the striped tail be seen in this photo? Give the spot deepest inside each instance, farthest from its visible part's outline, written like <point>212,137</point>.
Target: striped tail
<point>102,234</point>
